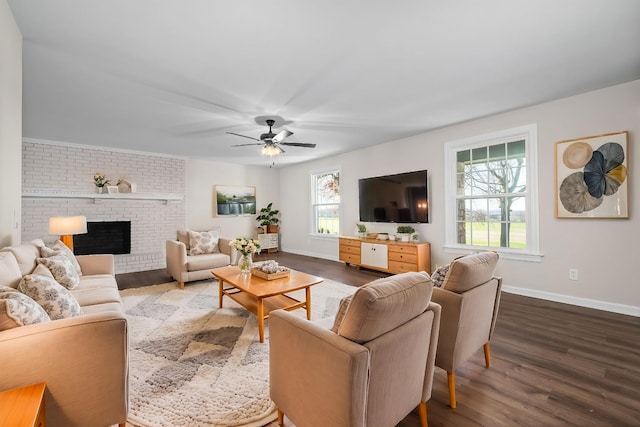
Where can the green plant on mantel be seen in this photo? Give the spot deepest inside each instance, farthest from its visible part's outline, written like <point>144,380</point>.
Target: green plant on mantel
<point>361,228</point>
<point>268,217</point>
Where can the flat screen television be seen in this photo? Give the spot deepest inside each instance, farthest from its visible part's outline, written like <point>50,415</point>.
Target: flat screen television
<point>401,198</point>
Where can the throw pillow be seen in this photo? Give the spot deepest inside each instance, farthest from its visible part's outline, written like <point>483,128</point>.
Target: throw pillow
<point>62,270</point>
<point>183,236</point>
<point>205,242</point>
<point>56,300</point>
<point>17,309</point>
<point>43,271</point>
<point>438,276</point>
<point>8,289</point>
<point>60,248</point>
<point>342,310</point>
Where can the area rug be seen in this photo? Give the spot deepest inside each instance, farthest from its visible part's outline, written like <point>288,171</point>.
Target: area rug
<point>194,364</point>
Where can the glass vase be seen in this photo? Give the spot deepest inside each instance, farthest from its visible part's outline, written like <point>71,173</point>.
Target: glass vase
<point>245,262</point>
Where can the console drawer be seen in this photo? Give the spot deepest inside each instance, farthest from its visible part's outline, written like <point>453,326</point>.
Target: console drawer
<point>350,258</point>
<point>411,258</point>
<point>402,267</point>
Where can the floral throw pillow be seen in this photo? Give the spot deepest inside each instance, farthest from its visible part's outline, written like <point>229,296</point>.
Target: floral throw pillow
<point>60,248</point>
<point>56,300</point>
<point>17,309</point>
<point>438,276</point>
<point>205,242</point>
<point>62,270</point>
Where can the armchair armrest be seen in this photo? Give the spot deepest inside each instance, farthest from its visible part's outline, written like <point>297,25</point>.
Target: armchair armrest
<point>306,358</point>
<point>177,260</point>
<point>97,264</point>
<point>83,360</point>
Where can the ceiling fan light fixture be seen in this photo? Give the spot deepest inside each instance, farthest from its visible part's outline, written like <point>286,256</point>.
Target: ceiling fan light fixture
<point>271,150</point>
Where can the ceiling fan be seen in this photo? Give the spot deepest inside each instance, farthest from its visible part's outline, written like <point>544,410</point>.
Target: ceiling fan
<point>272,142</point>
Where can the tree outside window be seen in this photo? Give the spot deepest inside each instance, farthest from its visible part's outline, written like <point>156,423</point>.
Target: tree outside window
<point>326,202</point>
<point>491,190</point>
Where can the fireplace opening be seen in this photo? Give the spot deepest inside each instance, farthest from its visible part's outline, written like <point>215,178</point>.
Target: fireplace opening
<point>106,237</point>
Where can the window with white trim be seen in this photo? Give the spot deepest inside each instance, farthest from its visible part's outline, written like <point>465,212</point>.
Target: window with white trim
<point>491,192</point>
<point>325,202</point>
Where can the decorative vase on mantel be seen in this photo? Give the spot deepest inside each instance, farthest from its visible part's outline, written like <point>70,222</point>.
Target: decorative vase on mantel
<point>245,262</point>
<point>99,189</point>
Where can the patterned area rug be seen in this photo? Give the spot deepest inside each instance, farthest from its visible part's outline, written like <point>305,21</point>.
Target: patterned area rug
<point>193,364</point>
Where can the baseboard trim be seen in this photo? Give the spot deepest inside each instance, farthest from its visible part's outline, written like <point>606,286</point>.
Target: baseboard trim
<point>581,302</point>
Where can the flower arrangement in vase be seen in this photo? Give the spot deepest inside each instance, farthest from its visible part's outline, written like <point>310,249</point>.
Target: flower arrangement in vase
<point>100,181</point>
<point>246,247</point>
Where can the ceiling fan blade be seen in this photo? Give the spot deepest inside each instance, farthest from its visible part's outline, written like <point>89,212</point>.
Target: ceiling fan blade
<point>246,145</point>
<point>282,135</point>
<point>244,136</point>
<point>298,144</point>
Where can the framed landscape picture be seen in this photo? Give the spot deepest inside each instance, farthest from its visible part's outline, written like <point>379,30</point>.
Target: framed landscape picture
<point>592,177</point>
<point>234,200</point>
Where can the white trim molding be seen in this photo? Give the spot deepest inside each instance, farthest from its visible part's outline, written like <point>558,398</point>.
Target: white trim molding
<point>613,307</point>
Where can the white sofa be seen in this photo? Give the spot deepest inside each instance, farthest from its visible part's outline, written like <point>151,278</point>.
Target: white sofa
<point>82,359</point>
<point>184,267</point>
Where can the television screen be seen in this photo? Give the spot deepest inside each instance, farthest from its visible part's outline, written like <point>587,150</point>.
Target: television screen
<point>395,198</point>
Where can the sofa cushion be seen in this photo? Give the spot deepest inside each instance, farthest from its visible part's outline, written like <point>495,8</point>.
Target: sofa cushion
<point>183,236</point>
<point>26,255</point>
<point>470,271</point>
<point>10,274</point>
<point>384,305</point>
<point>439,274</point>
<point>205,242</point>
<point>62,270</point>
<point>203,262</point>
<point>342,310</point>
<point>60,248</point>
<point>97,289</point>
<point>56,300</point>
<point>17,309</point>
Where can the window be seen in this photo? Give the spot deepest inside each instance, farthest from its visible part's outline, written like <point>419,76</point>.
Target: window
<point>491,193</point>
<point>325,205</point>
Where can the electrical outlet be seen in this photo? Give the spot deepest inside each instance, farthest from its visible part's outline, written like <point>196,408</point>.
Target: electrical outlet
<point>573,274</point>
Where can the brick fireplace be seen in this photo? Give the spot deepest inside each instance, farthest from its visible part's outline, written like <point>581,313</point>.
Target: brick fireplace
<point>58,180</point>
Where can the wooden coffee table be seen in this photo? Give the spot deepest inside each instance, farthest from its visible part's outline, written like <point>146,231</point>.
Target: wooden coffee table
<point>261,296</point>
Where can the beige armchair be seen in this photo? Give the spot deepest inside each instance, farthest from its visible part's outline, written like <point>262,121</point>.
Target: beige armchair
<point>184,267</point>
<point>469,296</point>
<point>374,371</point>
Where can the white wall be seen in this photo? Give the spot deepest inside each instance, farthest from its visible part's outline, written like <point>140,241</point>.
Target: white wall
<point>204,175</point>
<point>604,251</point>
<point>10,126</point>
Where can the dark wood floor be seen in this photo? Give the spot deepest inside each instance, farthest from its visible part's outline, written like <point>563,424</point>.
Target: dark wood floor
<point>552,364</point>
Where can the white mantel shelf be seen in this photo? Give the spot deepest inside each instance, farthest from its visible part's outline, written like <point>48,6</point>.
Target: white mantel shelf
<point>64,194</point>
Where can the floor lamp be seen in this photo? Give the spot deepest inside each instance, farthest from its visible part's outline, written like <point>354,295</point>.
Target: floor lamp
<point>66,227</point>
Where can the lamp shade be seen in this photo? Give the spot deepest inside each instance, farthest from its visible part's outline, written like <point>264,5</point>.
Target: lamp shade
<point>67,225</point>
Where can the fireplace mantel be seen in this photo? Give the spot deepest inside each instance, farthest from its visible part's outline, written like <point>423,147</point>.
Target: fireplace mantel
<point>65,194</point>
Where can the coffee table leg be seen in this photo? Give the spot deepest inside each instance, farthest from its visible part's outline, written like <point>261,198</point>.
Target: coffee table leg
<point>307,292</point>
<point>220,293</point>
<point>260,315</point>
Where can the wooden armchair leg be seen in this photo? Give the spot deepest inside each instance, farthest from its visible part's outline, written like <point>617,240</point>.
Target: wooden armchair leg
<point>280,418</point>
<point>451,378</point>
<point>122,424</point>
<point>422,409</point>
<point>487,354</point>
<point>182,285</point>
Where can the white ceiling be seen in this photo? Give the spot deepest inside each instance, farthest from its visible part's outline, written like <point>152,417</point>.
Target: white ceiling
<point>173,76</point>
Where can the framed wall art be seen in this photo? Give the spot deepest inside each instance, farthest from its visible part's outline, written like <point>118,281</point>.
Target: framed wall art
<point>592,177</point>
<point>234,200</point>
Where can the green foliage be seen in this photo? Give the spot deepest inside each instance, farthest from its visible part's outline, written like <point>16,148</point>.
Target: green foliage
<point>406,229</point>
<point>361,228</point>
<point>268,216</point>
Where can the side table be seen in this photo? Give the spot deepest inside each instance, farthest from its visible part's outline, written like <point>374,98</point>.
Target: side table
<point>23,406</point>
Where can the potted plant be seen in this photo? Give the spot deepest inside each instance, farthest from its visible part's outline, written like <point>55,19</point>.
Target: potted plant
<point>362,230</point>
<point>268,219</point>
<point>404,232</point>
